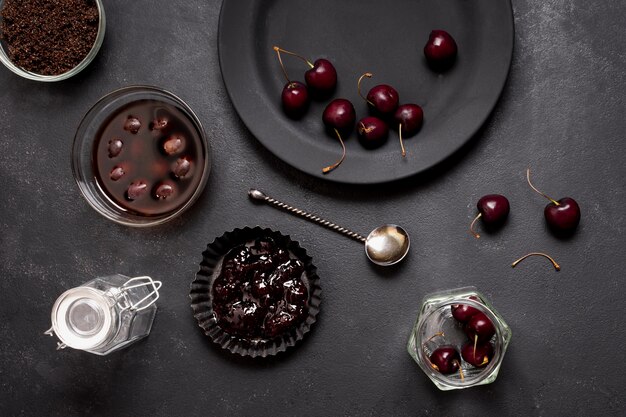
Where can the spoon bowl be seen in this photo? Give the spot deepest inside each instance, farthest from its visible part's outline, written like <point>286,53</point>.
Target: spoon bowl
<point>387,245</point>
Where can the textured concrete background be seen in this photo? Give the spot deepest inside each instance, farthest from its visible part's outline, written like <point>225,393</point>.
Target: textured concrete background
<point>562,113</point>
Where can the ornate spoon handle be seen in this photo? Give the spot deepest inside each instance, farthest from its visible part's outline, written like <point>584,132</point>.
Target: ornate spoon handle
<point>258,195</point>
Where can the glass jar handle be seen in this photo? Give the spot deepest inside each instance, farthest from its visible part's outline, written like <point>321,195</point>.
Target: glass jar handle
<point>148,300</point>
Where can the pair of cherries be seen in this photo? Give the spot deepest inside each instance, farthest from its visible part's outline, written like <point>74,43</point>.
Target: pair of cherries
<point>321,81</point>
<point>477,352</point>
<point>562,216</point>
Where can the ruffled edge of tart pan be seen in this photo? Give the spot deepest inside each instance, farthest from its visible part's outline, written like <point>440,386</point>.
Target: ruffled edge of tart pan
<point>201,294</point>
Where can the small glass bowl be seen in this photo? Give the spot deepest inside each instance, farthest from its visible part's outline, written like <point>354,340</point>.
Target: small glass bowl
<point>436,317</point>
<point>86,137</point>
<point>4,56</point>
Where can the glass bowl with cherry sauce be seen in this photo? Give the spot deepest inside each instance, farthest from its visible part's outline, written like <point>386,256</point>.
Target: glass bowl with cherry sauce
<point>30,75</point>
<point>444,326</point>
<point>140,156</point>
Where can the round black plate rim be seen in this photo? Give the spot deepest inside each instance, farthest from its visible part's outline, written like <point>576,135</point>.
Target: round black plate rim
<point>269,133</point>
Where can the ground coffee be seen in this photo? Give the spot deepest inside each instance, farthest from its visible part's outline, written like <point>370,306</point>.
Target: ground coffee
<point>48,37</point>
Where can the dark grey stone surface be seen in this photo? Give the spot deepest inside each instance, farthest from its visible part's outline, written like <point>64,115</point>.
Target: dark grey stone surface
<point>561,113</point>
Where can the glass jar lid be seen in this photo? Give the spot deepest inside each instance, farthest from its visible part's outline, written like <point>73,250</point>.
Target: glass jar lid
<point>84,318</point>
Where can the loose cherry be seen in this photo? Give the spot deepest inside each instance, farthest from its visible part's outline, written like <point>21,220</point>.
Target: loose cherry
<point>563,215</point>
<point>493,209</point>
<point>372,132</point>
<point>383,98</point>
<point>409,118</point>
<point>321,77</point>
<point>446,359</point>
<point>478,356</point>
<point>339,116</point>
<point>440,50</point>
<point>463,312</point>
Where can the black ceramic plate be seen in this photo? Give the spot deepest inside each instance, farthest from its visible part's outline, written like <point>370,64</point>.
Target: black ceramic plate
<point>385,38</point>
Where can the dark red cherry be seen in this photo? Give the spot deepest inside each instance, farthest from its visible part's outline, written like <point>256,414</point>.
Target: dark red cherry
<point>383,99</point>
<point>463,312</point>
<point>136,189</point>
<point>478,357</point>
<point>564,217</point>
<point>321,78</point>
<point>372,132</point>
<point>440,50</point>
<point>181,167</point>
<point>163,191</point>
<point>174,144</point>
<point>295,99</point>
<point>115,147</point>
<point>339,114</point>
<point>480,327</point>
<point>132,124</point>
<point>116,173</point>
<point>493,209</point>
<point>410,117</point>
<point>445,359</point>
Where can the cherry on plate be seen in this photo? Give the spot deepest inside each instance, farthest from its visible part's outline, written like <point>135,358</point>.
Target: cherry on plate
<point>440,50</point>
<point>382,99</point>
<point>372,132</point>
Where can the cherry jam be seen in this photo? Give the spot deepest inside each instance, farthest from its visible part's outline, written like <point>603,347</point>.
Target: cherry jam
<point>148,158</point>
<point>261,290</point>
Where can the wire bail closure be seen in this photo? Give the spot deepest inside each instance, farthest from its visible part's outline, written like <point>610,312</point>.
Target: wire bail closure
<point>145,302</point>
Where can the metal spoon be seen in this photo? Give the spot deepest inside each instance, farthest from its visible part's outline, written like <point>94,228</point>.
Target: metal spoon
<point>386,245</point>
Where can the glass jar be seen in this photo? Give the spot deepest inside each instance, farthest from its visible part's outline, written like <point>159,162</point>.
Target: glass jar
<point>84,146</point>
<point>105,314</point>
<point>4,56</point>
<point>435,326</point>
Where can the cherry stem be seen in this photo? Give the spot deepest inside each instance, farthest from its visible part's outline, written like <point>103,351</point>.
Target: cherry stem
<point>438,334</point>
<point>485,360</point>
<point>358,87</point>
<point>471,229</point>
<point>536,190</point>
<point>280,59</point>
<point>278,50</point>
<point>556,265</point>
<point>329,168</point>
<point>460,370</point>
<point>401,142</point>
<point>475,343</point>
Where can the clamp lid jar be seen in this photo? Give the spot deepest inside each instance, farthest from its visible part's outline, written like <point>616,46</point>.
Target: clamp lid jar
<point>105,314</point>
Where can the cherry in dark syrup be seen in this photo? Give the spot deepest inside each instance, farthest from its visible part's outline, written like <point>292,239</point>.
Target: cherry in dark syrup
<point>148,171</point>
